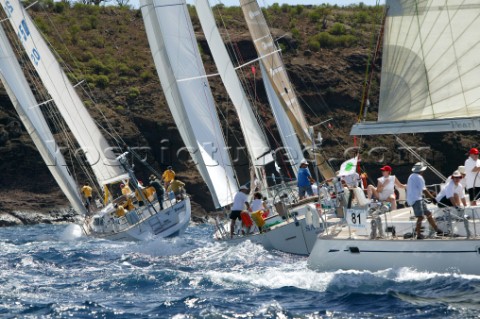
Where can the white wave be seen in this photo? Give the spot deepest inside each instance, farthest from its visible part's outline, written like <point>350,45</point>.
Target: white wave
<point>165,246</point>
<point>71,232</point>
<point>273,277</point>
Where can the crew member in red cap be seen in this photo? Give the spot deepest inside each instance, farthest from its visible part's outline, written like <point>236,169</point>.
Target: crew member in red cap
<point>472,167</point>
<point>385,190</point>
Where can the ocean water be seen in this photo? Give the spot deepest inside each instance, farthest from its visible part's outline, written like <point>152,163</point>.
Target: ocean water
<point>52,271</point>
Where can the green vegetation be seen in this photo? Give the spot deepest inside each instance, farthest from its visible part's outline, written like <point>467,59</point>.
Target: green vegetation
<point>107,45</point>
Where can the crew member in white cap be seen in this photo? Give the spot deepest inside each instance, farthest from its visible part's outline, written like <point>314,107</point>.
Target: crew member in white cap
<point>304,180</point>
<point>453,192</point>
<point>415,189</point>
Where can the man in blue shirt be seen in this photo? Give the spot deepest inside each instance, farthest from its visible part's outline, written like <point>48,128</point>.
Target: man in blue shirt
<point>304,180</point>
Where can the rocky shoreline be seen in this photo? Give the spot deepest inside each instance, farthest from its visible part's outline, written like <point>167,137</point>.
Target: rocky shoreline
<point>34,215</point>
<point>28,217</point>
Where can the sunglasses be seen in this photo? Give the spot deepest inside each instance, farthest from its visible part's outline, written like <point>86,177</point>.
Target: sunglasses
<point>459,177</point>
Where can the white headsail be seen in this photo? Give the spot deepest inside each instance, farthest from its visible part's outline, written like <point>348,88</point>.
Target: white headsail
<point>255,140</point>
<point>32,118</point>
<point>98,152</point>
<point>272,62</point>
<point>430,68</point>
<point>287,132</point>
<point>175,52</point>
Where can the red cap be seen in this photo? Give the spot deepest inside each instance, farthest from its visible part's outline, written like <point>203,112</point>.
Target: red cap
<point>386,168</point>
<point>473,151</point>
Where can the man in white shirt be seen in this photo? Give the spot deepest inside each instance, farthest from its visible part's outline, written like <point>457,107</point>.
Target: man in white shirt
<point>385,190</point>
<point>472,167</point>
<point>453,192</point>
<point>239,202</point>
<point>463,181</point>
<point>415,189</point>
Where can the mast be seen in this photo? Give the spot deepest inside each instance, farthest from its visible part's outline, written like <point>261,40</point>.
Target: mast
<point>32,118</point>
<point>98,152</point>
<point>277,74</point>
<point>184,82</point>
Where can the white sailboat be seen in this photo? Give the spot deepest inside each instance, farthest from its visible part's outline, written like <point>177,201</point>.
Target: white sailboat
<point>174,48</point>
<point>429,83</point>
<point>108,169</point>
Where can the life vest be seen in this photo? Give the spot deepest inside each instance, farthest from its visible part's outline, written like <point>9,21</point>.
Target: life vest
<point>246,220</point>
<point>258,218</point>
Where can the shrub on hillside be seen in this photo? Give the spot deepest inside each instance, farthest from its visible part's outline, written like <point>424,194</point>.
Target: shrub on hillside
<point>338,29</point>
<point>314,16</point>
<point>101,81</point>
<point>59,7</point>
<point>326,40</point>
<point>98,67</point>
<point>314,44</point>
<point>133,93</point>
<point>146,75</point>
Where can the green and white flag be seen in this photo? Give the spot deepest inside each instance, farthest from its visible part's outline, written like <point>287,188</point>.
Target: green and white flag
<point>348,167</point>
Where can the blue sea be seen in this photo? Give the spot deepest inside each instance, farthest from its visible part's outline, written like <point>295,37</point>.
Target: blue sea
<point>52,271</point>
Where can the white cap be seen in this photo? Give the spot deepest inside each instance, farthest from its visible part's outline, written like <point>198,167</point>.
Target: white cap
<point>303,161</point>
<point>243,187</point>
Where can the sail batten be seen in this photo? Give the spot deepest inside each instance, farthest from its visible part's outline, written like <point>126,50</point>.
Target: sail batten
<point>176,56</point>
<point>430,61</point>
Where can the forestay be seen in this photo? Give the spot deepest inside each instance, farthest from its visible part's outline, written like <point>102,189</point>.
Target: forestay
<point>97,151</point>
<point>430,67</point>
<point>32,118</point>
<point>255,140</point>
<point>183,78</point>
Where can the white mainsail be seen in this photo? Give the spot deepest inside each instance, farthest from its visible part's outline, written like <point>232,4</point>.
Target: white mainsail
<point>98,152</point>
<point>32,118</point>
<point>277,74</point>
<point>431,68</point>
<point>176,56</point>
<point>255,140</point>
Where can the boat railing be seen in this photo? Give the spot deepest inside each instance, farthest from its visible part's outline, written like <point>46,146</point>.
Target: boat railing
<point>137,215</point>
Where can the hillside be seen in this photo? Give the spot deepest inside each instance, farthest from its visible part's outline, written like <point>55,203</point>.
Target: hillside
<point>326,51</point>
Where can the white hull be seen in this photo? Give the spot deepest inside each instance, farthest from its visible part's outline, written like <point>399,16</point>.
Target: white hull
<point>172,221</point>
<point>289,237</point>
<point>355,248</point>
<point>436,255</point>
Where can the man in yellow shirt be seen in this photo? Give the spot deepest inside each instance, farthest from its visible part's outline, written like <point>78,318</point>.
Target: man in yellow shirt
<point>125,189</point>
<point>87,193</point>
<point>177,188</point>
<point>168,176</point>
<point>119,210</point>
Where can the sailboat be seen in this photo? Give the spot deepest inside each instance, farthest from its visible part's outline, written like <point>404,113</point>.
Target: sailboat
<point>184,81</point>
<point>109,169</point>
<point>429,83</point>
